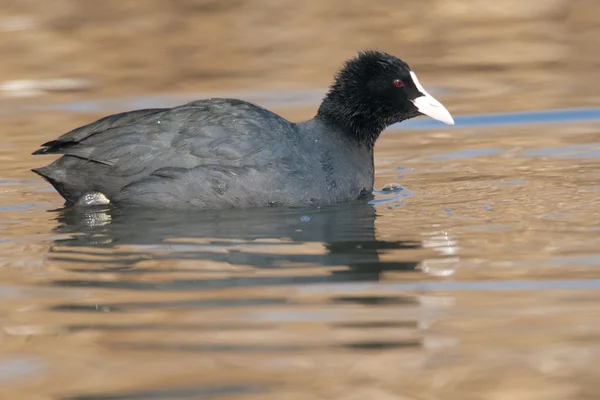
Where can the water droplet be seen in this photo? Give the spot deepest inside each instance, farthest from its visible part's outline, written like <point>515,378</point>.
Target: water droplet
<point>392,187</point>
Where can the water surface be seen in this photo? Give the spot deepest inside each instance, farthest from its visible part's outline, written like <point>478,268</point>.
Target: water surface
<point>475,277</point>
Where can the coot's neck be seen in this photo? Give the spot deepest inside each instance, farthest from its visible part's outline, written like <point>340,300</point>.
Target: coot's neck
<point>356,120</point>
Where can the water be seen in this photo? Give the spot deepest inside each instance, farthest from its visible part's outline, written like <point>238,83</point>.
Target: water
<point>473,275</point>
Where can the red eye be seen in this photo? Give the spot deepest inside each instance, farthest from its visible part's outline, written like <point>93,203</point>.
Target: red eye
<point>398,83</point>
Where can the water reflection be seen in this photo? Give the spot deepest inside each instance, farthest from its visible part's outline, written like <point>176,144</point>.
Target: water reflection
<point>165,279</point>
<point>281,239</point>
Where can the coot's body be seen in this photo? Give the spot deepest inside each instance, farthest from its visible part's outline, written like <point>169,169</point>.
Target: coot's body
<point>223,153</point>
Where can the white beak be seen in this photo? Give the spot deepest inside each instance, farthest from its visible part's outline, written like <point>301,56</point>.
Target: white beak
<point>429,106</point>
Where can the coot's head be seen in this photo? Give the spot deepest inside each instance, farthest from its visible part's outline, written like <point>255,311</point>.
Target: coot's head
<point>375,90</point>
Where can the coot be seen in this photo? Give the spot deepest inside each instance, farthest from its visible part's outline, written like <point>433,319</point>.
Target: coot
<point>228,153</point>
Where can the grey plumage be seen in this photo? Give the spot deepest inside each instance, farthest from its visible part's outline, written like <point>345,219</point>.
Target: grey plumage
<point>224,153</point>
<point>217,153</point>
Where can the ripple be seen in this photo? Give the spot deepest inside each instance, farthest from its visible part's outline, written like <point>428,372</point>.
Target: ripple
<point>197,392</point>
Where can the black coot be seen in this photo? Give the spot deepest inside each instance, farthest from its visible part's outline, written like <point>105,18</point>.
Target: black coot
<point>223,153</point>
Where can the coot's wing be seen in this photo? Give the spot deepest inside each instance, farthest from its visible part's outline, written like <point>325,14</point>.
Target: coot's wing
<point>79,135</point>
<point>119,150</point>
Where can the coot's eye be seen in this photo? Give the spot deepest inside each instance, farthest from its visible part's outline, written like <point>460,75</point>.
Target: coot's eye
<point>398,83</point>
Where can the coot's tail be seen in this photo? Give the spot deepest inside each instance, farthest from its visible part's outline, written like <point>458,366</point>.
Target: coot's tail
<point>48,174</point>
